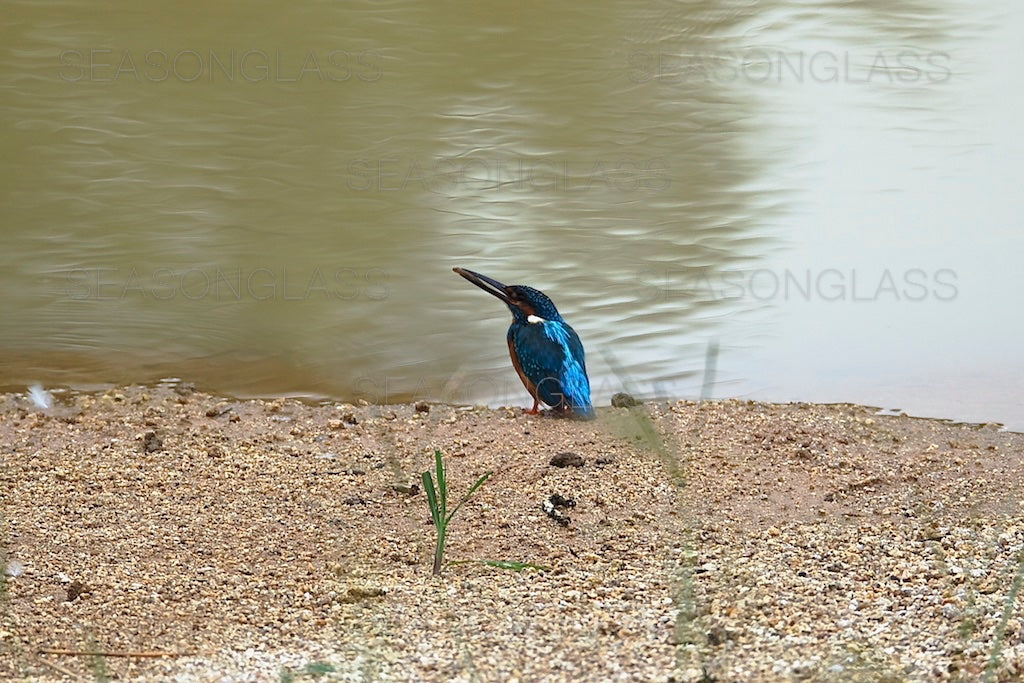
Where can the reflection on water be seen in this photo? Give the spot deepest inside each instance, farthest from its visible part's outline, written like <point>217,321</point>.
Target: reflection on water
<point>823,192</point>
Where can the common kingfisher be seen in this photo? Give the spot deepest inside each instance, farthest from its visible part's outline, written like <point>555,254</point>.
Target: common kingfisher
<point>546,351</point>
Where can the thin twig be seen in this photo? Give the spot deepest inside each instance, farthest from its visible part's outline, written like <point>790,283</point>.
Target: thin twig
<point>58,668</point>
<point>112,653</point>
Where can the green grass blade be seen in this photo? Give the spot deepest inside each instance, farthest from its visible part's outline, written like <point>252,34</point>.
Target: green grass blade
<point>428,488</point>
<point>317,669</point>
<point>437,499</point>
<point>505,564</point>
<point>442,485</point>
<point>478,484</point>
<point>514,566</point>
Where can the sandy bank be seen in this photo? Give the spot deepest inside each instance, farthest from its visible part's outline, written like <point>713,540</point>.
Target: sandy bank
<point>256,540</point>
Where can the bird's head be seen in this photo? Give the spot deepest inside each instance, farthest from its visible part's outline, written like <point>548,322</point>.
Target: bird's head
<point>528,305</point>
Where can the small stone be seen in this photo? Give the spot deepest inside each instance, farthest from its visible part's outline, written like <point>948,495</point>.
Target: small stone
<point>422,407</point>
<point>75,589</point>
<point>623,400</point>
<point>219,409</point>
<point>566,460</point>
<point>952,612</point>
<point>407,489</point>
<point>358,593</point>
<point>151,442</point>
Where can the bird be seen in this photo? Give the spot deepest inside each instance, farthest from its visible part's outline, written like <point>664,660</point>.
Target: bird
<point>546,352</point>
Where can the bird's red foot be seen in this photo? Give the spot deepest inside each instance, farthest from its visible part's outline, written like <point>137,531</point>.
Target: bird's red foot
<point>533,410</point>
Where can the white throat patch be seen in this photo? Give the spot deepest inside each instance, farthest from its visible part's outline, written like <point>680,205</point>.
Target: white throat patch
<point>533,319</point>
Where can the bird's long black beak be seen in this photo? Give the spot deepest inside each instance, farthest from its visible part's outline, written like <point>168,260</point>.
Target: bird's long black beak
<point>489,285</point>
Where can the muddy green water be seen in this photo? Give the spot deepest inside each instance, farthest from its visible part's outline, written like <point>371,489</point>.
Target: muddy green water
<point>268,200</point>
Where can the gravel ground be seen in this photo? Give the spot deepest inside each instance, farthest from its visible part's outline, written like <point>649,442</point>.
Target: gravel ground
<point>727,541</point>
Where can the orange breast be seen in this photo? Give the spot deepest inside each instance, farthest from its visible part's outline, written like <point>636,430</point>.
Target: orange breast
<point>530,387</point>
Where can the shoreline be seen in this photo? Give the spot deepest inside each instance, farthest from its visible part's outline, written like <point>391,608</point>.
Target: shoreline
<point>63,392</point>
<point>752,541</point>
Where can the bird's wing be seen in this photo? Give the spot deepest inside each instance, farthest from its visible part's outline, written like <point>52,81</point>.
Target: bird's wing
<point>551,356</point>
